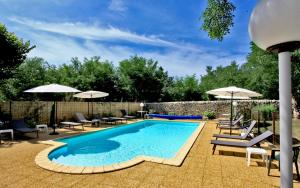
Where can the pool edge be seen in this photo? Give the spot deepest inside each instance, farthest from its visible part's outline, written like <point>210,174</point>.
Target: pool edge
<point>44,162</point>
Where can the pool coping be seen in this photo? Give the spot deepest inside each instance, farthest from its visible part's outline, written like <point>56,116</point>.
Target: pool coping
<point>44,162</point>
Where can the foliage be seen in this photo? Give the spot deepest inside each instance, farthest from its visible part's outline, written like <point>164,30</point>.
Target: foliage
<point>142,79</point>
<point>184,89</point>
<point>230,75</point>
<point>209,114</point>
<point>91,74</point>
<point>266,110</point>
<point>296,75</point>
<point>261,72</point>
<point>32,118</point>
<point>13,52</point>
<point>218,18</point>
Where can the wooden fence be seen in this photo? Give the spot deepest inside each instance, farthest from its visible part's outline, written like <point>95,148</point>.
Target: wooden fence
<point>65,110</point>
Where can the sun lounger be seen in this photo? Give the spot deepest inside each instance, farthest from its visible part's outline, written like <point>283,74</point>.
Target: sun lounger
<point>227,124</point>
<point>20,126</point>
<point>243,137</point>
<point>125,114</point>
<point>116,119</point>
<point>80,118</point>
<point>227,121</point>
<point>71,124</point>
<point>252,142</point>
<point>236,125</point>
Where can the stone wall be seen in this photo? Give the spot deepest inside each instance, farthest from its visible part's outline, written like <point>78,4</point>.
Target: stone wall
<point>198,107</point>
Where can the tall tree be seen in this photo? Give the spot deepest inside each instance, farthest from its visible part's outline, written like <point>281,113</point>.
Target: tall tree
<point>142,79</point>
<point>230,75</point>
<point>185,89</point>
<point>261,72</point>
<point>12,52</point>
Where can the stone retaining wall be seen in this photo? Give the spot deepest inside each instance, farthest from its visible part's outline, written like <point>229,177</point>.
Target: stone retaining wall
<point>198,107</point>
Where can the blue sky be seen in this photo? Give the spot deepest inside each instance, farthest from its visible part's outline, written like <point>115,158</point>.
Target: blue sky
<point>167,31</point>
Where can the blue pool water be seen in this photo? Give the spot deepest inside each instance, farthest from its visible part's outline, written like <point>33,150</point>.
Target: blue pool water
<point>151,138</point>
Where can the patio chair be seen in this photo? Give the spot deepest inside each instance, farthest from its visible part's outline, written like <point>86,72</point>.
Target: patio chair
<point>296,149</point>
<point>108,119</point>
<point>227,123</point>
<point>116,119</point>
<point>241,137</point>
<point>236,125</point>
<point>80,118</point>
<point>20,126</point>
<point>125,114</point>
<point>255,141</point>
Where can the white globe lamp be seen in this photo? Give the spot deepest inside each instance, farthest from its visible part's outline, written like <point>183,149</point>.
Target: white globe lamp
<point>142,106</point>
<point>274,26</point>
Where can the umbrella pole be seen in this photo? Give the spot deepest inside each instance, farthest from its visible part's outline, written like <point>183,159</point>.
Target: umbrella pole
<point>88,108</point>
<point>92,108</point>
<point>55,119</point>
<point>231,106</point>
<point>92,105</point>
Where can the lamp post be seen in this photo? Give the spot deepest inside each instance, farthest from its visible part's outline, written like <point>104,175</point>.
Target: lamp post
<point>274,26</point>
<point>142,108</point>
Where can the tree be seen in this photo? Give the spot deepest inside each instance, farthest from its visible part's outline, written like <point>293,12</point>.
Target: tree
<point>184,89</point>
<point>142,79</point>
<point>32,73</point>
<point>261,72</point>
<point>91,74</point>
<point>13,52</point>
<point>218,18</point>
<point>230,75</point>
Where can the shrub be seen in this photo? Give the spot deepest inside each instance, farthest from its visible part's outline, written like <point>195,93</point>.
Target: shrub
<point>209,114</point>
<point>266,110</point>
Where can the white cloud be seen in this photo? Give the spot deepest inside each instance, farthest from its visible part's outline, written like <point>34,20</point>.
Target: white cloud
<point>59,44</point>
<point>181,63</point>
<point>93,32</point>
<point>58,50</point>
<point>117,5</point>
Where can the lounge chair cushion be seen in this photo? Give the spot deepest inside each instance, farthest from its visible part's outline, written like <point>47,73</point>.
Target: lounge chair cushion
<point>250,143</point>
<point>250,128</point>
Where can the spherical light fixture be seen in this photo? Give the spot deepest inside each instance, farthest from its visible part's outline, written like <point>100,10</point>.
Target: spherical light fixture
<point>142,106</point>
<point>234,103</point>
<point>274,25</point>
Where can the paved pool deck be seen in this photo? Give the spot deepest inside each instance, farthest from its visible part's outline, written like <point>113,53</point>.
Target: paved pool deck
<point>226,168</point>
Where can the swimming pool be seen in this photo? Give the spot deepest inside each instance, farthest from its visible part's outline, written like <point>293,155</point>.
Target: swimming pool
<point>158,139</point>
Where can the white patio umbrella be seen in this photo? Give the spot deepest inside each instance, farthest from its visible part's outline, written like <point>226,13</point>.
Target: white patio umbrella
<point>232,92</point>
<point>234,97</point>
<point>91,95</point>
<point>53,88</point>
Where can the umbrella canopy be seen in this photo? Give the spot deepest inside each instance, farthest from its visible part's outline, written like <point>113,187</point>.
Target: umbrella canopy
<point>52,88</point>
<point>235,91</point>
<point>232,92</point>
<point>91,94</point>
<point>234,97</point>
